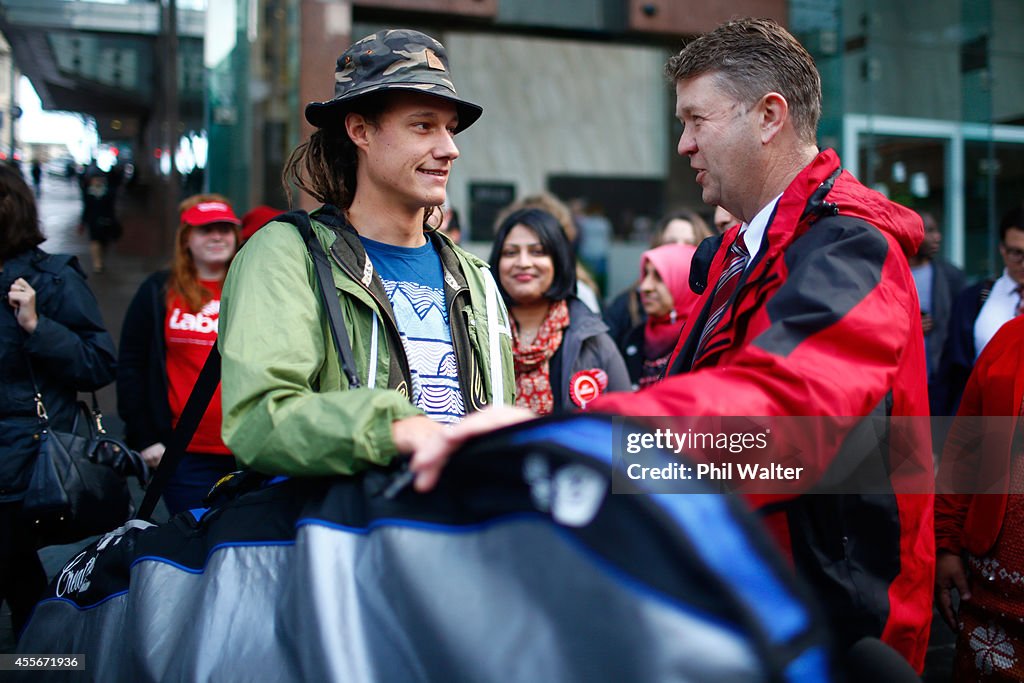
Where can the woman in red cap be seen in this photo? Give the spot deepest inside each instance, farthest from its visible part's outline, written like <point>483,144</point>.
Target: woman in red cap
<point>167,334</point>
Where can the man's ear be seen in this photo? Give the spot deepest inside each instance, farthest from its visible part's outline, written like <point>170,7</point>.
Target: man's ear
<point>774,111</point>
<point>358,129</point>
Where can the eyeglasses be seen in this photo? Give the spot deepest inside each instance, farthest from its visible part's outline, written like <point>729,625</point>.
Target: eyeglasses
<point>1013,254</point>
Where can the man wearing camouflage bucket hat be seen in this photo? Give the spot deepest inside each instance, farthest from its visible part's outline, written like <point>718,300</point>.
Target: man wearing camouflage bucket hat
<point>428,330</point>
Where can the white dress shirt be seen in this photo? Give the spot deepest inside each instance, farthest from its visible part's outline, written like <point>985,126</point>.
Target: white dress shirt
<point>1000,307</point>
<point>753,232</point>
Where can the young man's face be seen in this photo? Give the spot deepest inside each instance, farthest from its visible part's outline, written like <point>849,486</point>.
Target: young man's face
<point>720,137</point>
<point>409,153</point>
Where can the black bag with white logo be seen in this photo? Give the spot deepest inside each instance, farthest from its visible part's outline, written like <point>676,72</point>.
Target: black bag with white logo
<point>78,488</point>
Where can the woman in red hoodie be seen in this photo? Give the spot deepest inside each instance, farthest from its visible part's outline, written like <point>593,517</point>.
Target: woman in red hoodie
<point>666,298</point>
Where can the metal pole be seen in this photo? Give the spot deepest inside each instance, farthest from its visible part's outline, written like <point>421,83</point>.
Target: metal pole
<point>13,103</point>
<point>172,181</point>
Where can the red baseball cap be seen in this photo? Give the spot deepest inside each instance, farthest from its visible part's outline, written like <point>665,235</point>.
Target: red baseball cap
<point>205,213</point>
<point>257,218</point>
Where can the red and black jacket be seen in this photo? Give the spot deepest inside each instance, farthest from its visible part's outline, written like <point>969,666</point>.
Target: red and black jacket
<point>826,322</point>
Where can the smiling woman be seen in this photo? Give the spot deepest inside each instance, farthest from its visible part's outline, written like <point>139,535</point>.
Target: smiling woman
<point>557,343</point>
<point>167,333</point>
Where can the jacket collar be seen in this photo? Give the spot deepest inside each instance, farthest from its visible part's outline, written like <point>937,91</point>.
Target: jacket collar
<point>355,259</point>
<point>582,321</point>
<point>37,260</point>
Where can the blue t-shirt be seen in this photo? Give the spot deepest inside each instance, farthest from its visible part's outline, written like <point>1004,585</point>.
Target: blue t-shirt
<point>414,282</point>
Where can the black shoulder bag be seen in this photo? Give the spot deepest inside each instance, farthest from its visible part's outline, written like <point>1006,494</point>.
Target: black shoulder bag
<point>77,488</point>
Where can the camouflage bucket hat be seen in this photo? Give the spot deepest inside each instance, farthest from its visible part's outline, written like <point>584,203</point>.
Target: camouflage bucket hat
<point>397,59</point>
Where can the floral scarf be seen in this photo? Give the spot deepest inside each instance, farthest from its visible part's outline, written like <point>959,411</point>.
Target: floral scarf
<point>533,370</point>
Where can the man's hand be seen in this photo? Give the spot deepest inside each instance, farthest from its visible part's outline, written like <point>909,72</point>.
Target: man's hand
<point>411,432</point>
<point>429,455</point>
<point>949,574</point>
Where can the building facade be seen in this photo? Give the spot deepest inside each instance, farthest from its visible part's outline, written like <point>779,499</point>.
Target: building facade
<point>922,99</point>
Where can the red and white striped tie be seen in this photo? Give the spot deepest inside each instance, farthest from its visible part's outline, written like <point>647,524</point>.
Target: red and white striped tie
<point>724,289</point>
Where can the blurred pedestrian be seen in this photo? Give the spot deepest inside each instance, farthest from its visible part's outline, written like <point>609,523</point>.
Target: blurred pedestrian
<point>168,330</point>
<point>50,330</point>
<point>980,310</point>
<point>723,220</point>
<point>99,215</point>
<point>563,354</point>
<point>256,218</point>
<point>450,224</point>
<point>37,177</point>
<point>626,313</point>
<point>666,298</point>
<point>938,283</point>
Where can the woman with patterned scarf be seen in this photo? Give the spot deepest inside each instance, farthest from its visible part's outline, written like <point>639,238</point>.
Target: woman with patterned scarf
<point>666,299</point>
<point>563,354</point>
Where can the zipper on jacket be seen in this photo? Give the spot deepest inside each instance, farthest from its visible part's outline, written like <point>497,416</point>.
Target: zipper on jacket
<point>403,360</point>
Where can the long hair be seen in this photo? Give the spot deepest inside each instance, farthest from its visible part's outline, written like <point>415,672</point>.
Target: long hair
<point>555,244</point>
<point>324,166</point>
<point>701,231</point>
<point>19,219</point>
<point>184,278</point>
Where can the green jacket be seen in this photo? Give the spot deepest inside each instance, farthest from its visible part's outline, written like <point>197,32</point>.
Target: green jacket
<point>286,402</point>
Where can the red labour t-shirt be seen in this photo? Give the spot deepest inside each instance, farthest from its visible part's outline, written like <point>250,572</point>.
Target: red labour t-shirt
<point>189,338</point>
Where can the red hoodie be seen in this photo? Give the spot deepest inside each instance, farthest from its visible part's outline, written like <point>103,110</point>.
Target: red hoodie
<point>826,322</point>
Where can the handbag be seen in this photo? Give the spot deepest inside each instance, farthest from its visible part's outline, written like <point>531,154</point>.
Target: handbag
<point>78,486</point>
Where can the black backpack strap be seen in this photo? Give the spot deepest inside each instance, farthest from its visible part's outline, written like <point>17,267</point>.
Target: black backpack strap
<point>209,377</point>
<point>195,408</point>
<point>300,219</point>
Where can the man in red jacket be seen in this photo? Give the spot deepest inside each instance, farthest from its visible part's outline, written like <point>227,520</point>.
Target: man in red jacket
<point>808,309</point>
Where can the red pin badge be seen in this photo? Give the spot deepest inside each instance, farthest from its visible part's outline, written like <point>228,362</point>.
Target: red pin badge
<point>586,385</point>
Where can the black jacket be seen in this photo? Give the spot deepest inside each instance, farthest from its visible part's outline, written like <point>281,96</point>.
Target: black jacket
<point>70,351</point>
<point>947,282</point>
<point>958,353</point>
<point>142,366</point>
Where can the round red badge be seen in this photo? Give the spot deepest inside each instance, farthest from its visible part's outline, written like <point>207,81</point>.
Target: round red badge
<point>586,385</point>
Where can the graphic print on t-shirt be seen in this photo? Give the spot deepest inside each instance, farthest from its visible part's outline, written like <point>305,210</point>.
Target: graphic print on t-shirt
<point>188,338</point>
<point>414,282</point>
<point>427,337</point>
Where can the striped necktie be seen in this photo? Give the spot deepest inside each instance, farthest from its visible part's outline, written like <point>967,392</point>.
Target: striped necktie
<point>1020,300</point>
<point>724,289</point>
